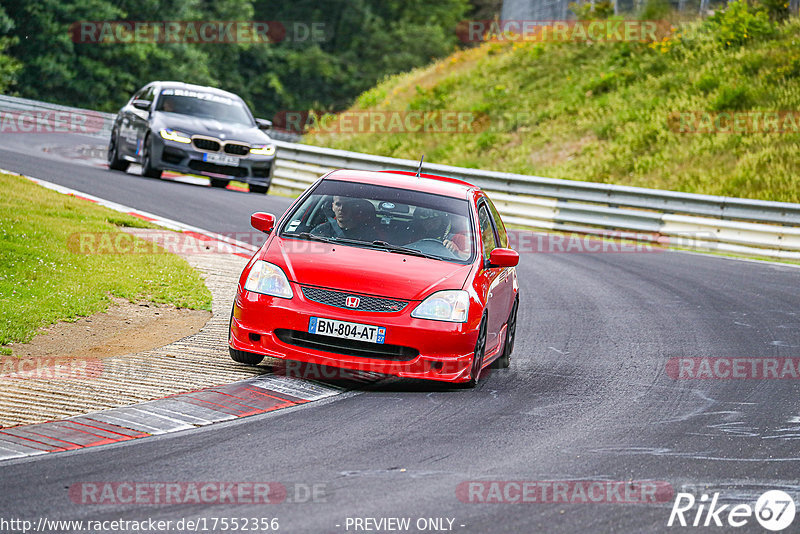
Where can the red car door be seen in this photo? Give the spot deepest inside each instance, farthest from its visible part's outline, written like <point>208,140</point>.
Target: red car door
<point>492,279</point>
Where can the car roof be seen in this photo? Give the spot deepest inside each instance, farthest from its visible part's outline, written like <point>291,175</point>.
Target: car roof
<point>192,87</point>
<point>426,183</point>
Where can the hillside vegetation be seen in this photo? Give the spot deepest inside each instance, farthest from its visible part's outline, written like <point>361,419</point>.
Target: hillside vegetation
<point>611,112</point>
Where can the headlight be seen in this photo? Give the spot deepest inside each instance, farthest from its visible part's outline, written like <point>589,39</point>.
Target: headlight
<point>268,279</point>
<point>452,306</point>
<point>262,150</point>
<point>174,135</point>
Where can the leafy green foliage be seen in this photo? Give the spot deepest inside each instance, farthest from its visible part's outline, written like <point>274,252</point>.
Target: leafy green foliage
<point>8,65</point>
<point>359,44</point>
<point>739,23</point>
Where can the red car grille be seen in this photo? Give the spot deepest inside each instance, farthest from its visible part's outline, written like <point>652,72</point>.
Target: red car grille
<point>365,303</point>
<point>348,347</point>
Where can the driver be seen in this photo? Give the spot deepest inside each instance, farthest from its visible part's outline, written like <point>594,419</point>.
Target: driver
<point>354,218</point>
<point>434,224</point>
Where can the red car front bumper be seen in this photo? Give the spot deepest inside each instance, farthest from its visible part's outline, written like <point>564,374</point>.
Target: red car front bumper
<point>277,327</point>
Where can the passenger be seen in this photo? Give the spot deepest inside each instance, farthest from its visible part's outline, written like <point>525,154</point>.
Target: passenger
<point>168,105</point>
<point>353,218</point>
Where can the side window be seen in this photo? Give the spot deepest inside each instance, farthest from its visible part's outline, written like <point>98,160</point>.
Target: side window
<point>498,224</point>
<point>487,232</point>
<point>150,94</point>
<point>138,94</point>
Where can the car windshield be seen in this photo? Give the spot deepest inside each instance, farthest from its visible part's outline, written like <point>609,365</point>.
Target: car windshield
<point>396,220</point>
<point>204,105</point>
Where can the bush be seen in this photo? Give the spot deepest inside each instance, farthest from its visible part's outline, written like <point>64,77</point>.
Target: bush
<point>740,23</point>
<point>587,11</point>
<point>778,10</point>
<point>707,83</point>
<point>732,98</point>
<point>655,10</point>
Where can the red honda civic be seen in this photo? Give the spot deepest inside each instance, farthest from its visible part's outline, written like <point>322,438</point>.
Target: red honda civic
<point>386,272</point>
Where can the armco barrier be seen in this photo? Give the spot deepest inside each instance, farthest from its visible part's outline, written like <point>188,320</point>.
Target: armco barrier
<point>690,220</point>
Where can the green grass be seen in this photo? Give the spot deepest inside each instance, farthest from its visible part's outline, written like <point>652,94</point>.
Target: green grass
<point>42,281</point>
<point>601,112</point>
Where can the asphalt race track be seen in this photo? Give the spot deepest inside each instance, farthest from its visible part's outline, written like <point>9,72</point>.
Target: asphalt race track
<point>587,397</point>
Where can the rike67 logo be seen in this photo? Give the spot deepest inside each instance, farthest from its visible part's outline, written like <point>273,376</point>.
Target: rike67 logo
<point>774,511</point>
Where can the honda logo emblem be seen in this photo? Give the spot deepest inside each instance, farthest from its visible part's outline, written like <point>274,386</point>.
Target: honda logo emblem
<point>352,302</point>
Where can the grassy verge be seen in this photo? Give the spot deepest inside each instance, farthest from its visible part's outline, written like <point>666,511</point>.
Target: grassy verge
<point>606,112</point>
<point>42,281</point>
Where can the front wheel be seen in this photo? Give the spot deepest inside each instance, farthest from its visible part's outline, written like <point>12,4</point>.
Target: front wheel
<point>147,160</point>
<point>477,359</point>
<point>511,335</point>
<point>245,357</point>
<point>218,182</point>
<point>260,189</point>
<point>114,161</point>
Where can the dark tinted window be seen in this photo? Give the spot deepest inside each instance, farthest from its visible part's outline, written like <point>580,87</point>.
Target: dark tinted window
<point>205,105</point>
<point>502,236</point>
<point>487,232</point>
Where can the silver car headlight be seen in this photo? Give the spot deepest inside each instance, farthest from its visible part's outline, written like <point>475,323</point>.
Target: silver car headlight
<point>174,135</point>
<point>451,305</point>
<point>268,279</point>
<point>262,150</point>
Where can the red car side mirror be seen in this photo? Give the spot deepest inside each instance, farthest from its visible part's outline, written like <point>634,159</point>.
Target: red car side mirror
<point>503,257</point>
<point>262,221</point>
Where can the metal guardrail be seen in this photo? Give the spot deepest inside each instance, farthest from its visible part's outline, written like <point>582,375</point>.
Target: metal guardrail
<point>44,117</point>
<point>684,219</point>
<point>689,220</point>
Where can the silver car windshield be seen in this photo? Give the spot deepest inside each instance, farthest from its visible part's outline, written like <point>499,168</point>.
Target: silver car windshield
<point>204,105</point>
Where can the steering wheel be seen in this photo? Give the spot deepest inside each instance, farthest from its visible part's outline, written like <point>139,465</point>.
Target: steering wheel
<point>438,249</point>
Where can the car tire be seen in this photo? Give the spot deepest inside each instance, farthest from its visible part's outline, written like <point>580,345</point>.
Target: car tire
<point>477,359</point>
<point>147,163</point>
<point>218,182</point>
<point>114,162</point>
<point>260,189</point>
<point>511,335</point>
<point>245,357</point>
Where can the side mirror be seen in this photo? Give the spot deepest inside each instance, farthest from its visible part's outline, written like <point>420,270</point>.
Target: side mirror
<point>262,221</point>
<point>144,105</point>
<point>264,124</point>
<point>503,257</point>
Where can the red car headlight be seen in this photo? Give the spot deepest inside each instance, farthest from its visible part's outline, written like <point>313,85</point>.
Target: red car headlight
<point>268,279</point>
<point>451,306</point>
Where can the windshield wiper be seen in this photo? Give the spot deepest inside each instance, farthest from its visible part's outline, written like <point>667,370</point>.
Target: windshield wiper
<point>389,247</point>
<point>313,237</point>
<point>404,250</point>
<point>326,239</point>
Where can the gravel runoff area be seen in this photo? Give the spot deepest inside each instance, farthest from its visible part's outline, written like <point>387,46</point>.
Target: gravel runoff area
<point>194,362</point>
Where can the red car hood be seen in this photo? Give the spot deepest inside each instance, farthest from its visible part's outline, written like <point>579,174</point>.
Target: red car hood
<point>363,270</point>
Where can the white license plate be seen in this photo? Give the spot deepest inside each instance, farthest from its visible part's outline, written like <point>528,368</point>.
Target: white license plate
<point>221,159</point>
<point>343,329</point>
